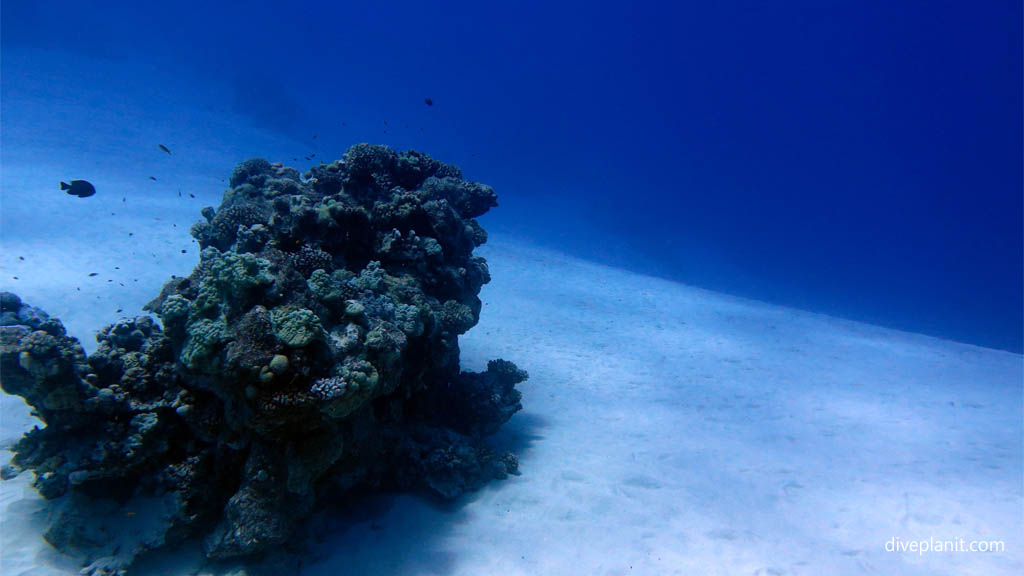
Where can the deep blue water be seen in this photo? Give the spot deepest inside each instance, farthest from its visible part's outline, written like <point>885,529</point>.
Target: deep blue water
<point>863,160</point>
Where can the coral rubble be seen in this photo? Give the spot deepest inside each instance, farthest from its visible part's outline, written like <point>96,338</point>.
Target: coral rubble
<point>313,349</point>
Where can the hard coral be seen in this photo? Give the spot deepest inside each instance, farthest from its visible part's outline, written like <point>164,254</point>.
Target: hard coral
<point>314,345</point>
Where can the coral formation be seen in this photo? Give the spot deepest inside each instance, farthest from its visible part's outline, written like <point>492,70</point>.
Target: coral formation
<point>314,349</point>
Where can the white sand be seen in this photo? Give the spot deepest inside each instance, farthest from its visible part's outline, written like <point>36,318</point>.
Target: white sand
<point>665,430</point>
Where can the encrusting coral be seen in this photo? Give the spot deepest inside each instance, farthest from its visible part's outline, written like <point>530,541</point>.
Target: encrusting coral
<point>313,349</point>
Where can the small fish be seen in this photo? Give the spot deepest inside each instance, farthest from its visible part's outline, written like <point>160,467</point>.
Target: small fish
<point>164,148</point>
<point>428,101</point>
<point>119,310</point>
<point>314,136</point>
<point>91,274</point>
<point>80,188</point>
<point>123,199</point>
<point>21,257</point>
<point>191,195</point>
<point>153,178</point>
<point>183,251</point>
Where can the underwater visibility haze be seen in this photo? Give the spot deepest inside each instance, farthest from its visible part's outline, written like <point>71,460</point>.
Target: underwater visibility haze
<point>534,288</point>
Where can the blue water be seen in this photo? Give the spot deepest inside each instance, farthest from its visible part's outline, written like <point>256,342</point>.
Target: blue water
<point>862,160</point>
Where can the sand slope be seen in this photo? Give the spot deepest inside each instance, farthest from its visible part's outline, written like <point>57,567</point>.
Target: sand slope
<point>670,430</point>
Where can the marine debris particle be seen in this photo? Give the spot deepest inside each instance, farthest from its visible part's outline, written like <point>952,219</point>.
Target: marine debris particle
<point>80,188</point>
<point>315,344</point>
<point>153,178</point>
<point>428,101</point>
<point>164,148</point>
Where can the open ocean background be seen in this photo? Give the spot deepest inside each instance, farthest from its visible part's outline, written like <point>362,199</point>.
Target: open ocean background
<point>860,159</point>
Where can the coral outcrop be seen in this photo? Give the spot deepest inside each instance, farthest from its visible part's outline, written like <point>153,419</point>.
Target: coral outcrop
<point>314,349</point>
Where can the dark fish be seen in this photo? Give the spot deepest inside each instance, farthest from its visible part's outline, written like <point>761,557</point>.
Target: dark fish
<point>164,148</point>
<point>153,178</point>
<point>314,136</point>
<point>94,273</point>
<point>428,101</point>
<point>79,188</point>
